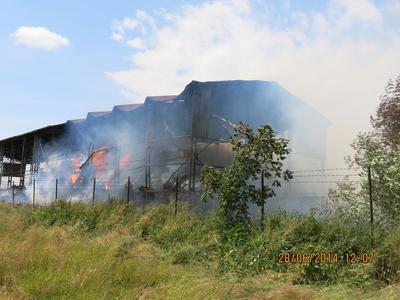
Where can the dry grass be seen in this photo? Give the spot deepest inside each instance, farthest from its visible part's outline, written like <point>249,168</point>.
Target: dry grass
<point>63,262</point>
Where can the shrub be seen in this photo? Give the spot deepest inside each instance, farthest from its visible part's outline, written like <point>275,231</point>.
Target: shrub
<point>387,259</point>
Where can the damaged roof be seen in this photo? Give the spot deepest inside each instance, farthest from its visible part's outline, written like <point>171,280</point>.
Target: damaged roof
<point>223,95</point>
<point>98,114</point>
<point>160,98</point>
<point>127,107</point>
<point>36,131</point>
<point>75,121</point>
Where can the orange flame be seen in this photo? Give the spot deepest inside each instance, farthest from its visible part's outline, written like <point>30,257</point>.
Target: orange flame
<point>98,162</point>
<point>74,178</point>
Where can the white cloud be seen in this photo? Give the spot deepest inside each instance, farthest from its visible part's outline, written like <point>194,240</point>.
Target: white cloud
<point>315,58</point>
<point>39,37</point>
<point>136,43</point>
<point>122,30</point>
<point>357,11</point>
<point>120,27</point>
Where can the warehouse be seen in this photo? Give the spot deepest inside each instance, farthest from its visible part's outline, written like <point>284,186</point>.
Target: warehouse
<point>161,139</point>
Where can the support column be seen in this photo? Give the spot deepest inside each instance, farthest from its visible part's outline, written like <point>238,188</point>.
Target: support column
<point>1,162</point>
<point>192,164</point>
<point>147,170</point>
<point>22,169</point>
<point>12,160</point>
<point>148,167</point>
<point>34,154</point>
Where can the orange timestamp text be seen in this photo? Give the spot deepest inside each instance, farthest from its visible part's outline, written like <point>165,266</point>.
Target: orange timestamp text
<point>324,258</point>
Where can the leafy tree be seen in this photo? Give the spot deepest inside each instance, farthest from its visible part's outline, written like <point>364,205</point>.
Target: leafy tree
<point>384,161</point>
<point>380,150</point>
<point>385,165</point>
<point>349,204</point>
<point>234,186</point>
<point>387,120</point>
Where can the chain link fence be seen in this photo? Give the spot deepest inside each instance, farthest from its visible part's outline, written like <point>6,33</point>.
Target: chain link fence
<point>308,190</point>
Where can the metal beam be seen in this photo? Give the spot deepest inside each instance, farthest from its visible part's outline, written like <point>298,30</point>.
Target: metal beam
<point>147,170</point>
<point>22,169</point>
<point>12,158</point>
<point>1,162</point>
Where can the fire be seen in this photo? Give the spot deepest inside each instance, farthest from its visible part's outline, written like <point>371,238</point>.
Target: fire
<point>74,178</point>
<point>98,160</point>
<point>75,165</point>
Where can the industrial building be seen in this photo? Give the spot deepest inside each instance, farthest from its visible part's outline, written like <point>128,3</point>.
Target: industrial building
<point>162,138</point>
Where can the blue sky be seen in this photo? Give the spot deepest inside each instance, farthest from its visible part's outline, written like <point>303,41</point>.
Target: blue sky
<point>336,54</point>
<point>39,87</point>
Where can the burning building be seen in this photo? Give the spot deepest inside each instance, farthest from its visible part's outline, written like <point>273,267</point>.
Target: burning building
<point>161,139</point>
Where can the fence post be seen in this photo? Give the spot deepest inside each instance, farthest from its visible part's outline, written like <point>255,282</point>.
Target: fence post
<point>371,208</point>
<point>94,190</point>
<point>176,194</point>
<point>13,194</point>
<point>262,201</point>
<point>56,189</point>
<point>33,192</point>
<point>128,192</point>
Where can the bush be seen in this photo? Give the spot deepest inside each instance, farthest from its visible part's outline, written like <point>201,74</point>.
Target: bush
<point>88,220</point>
<point>386,267</point>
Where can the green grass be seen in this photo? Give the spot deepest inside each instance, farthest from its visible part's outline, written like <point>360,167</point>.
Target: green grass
<point>77,251</point>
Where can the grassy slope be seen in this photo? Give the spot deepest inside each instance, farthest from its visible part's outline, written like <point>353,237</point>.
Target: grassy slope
<point>119,254</point>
